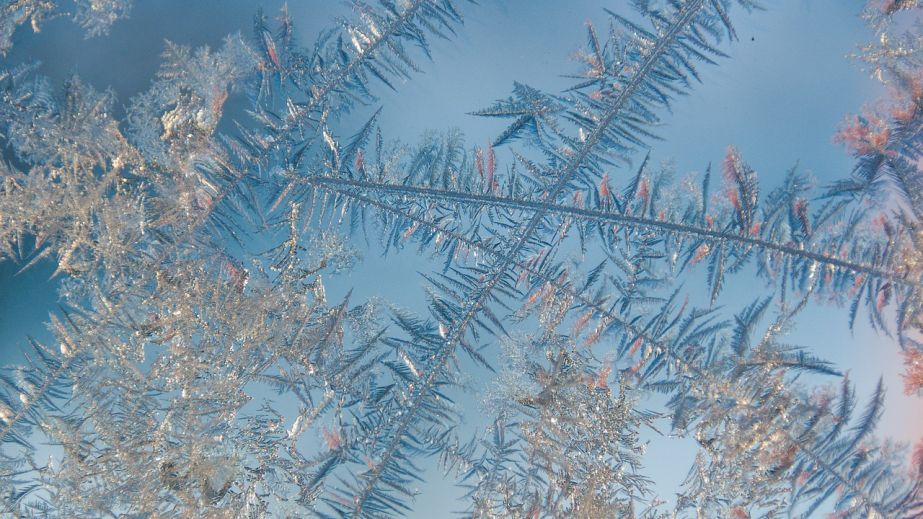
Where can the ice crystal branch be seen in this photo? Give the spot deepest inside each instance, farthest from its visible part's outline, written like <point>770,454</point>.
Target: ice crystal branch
<point>577,446</point>
<point>655,52</point>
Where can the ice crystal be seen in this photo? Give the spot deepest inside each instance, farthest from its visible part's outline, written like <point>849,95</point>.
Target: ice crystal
<point>194,240</point>
<point>95,16</point>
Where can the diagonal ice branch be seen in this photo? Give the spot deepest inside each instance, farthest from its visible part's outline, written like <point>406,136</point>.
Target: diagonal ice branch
<point>470,199</point>
<point>477,299</point>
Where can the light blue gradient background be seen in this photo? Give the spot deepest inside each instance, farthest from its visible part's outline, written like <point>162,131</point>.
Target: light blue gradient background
<point>779,98</point>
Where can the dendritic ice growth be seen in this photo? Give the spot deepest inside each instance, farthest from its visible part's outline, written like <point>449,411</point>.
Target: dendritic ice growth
<point>572,312</point>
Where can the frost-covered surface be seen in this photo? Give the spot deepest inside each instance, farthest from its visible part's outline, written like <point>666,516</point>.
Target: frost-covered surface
<point>193,252</point>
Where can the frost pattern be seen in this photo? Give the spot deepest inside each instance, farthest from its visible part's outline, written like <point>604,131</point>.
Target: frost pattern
<point>193,242</point>
<point>95,16</point>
